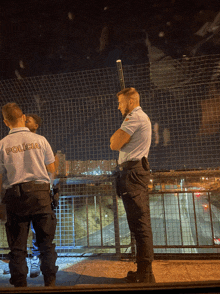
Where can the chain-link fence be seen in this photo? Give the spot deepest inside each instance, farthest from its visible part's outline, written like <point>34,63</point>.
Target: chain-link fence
<point>79,113</point>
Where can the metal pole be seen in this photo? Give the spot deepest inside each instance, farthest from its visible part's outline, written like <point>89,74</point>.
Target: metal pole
<point>120,74</point>
<point>73,222</point>
<point>116,225</point>
<point>122,85</point>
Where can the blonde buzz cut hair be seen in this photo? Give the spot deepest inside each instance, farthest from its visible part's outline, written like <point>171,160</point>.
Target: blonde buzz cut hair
<point>130,93</point>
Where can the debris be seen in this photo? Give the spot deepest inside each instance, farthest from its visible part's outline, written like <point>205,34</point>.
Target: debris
<point>104,38</point>
<point>18,75</point>
<point>209,27</point>
<point>21,63</point>
<point>71,16</point>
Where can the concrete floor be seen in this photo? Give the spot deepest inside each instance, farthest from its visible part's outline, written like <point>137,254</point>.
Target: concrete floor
<point>90,273</point>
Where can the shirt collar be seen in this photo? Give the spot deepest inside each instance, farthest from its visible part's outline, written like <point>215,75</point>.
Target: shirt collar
<point>136,109</point>
<point>20,129</point>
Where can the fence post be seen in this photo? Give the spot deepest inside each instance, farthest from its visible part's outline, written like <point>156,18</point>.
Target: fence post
<point>133,243</point>
<point>120,74</point>
<point>116,225</point>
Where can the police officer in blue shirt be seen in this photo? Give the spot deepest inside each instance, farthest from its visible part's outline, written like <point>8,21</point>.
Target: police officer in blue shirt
<point>133,140</point>
<point>25,161</point>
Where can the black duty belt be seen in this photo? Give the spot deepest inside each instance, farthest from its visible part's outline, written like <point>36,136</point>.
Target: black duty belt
<point>28,187</point>
<point>130,164</point>
<point>127,165</point>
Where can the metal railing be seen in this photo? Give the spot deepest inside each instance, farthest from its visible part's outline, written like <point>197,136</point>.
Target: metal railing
<point>91,220</point>
<point>181,220</point>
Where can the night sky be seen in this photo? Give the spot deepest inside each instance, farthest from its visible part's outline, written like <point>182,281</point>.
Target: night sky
<point>41,37</point>
<point>47,37</point>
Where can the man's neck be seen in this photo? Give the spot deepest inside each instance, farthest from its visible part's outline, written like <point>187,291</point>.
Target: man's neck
<point>130,110</point>
<point>18,125</point>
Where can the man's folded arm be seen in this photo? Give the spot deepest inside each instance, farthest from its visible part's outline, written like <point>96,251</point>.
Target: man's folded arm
<point>119,139</point>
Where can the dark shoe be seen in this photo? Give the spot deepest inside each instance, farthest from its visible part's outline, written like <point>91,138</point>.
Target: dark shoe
<point>135,277</point>
<point>131,277</point>
<point>18,283</point>
<point>35,267</point>
<point>50,281</point>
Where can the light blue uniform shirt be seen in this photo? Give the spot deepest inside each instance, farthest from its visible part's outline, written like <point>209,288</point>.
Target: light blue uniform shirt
<point>23,156</point>
<point>137,124</point>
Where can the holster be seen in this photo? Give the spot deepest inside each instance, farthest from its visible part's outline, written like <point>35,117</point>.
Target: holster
<point>54,194</point>
<point>117,175</point>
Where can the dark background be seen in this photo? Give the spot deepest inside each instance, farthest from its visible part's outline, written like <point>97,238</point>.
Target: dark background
<point>61,59</point>
<point>41,37</point>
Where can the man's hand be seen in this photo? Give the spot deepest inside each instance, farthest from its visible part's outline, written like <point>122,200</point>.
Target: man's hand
<point>119,139</point>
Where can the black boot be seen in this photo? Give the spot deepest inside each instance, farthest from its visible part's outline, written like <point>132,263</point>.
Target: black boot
<point>21,283</point>
<point>144,274</point>
<point>50,281</point>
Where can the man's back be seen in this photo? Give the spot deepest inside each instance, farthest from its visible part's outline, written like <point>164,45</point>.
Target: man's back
<point>24,156</point>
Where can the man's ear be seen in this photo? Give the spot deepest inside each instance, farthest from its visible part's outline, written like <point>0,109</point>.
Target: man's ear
<point>24,117</point>
<point>131,102</point>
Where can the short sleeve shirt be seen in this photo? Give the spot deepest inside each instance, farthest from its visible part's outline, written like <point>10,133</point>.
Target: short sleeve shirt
<point>24,156</point>
<point>137,124</point>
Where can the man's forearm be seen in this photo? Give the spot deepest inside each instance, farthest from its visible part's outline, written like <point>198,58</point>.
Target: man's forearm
<point>51,172</point>
<point>119,139</point>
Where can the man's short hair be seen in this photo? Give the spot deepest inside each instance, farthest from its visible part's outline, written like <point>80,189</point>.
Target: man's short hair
<point>130,93</point>
<point>12,112</point>
<point>37,119</point>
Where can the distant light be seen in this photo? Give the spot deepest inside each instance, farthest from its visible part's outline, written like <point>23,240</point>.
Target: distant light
<point>161,34</point>
<point>97,172</point>
<point>106,7</point>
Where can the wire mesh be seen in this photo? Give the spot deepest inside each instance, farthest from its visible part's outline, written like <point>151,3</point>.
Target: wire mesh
<point>79,113</point>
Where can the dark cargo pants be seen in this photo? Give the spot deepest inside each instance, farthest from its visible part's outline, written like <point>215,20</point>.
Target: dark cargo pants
<point>133,186</point>
<point>28,202</point>
<point>17,228</point>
